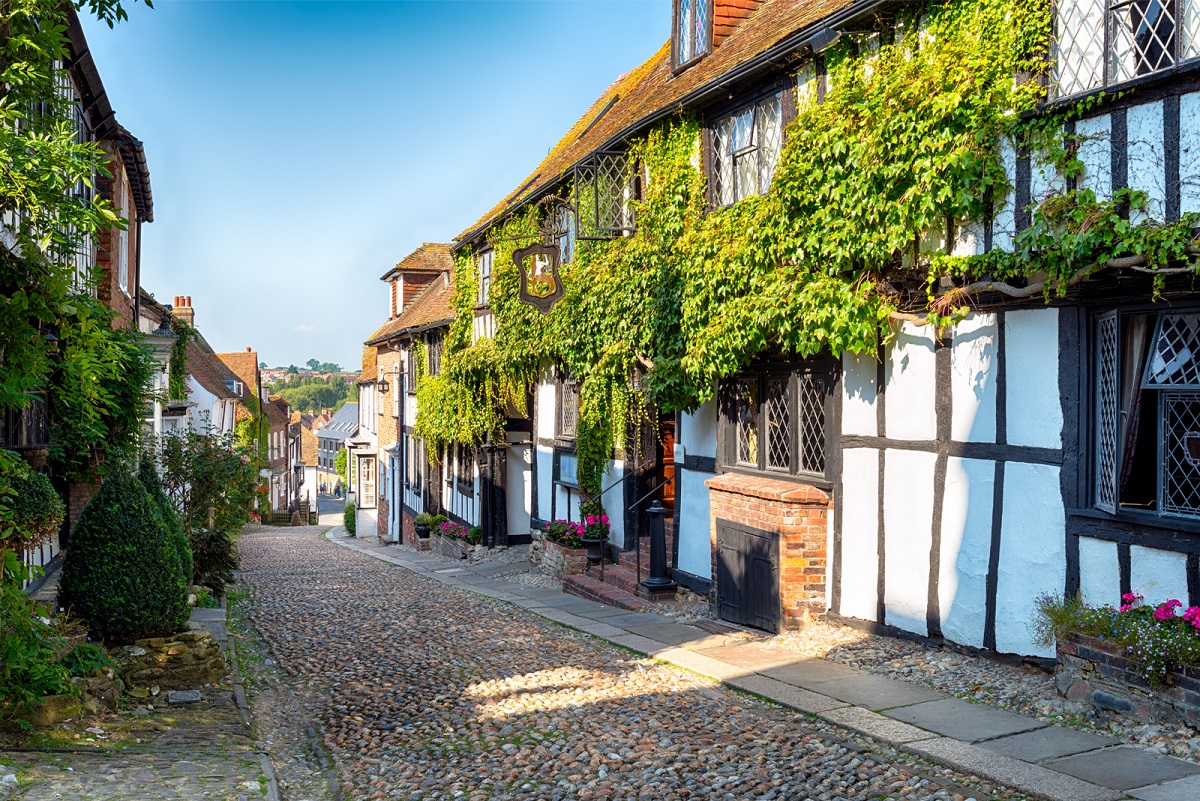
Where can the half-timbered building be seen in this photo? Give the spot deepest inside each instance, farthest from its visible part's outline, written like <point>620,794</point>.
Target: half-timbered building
<point>1038,445</point>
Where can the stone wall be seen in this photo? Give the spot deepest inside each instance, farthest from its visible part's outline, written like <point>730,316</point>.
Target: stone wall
<point>554,559</point>
<point>798,513</point>
<point>1092,672</point>
<point>185,661</point>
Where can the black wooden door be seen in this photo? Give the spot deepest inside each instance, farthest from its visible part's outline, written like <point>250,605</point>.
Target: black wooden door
<point>747,576</point>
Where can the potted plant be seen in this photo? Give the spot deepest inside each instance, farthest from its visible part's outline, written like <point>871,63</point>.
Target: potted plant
<point>455,538</point>
<point>423,522</point>
<point>592,530</point>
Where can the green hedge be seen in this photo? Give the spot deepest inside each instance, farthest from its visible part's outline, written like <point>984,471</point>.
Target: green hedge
<point>122,572</point>
<point>148,475</point>
<point>348,517</point>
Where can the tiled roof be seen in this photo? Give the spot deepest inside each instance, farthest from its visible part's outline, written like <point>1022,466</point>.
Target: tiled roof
<point>343,424</point>
<point>203,367</point>
<point>430,257</point>
<point>276,410</point>
<point>434,306</point>
<point>244,365</point>
<point>650,90</point>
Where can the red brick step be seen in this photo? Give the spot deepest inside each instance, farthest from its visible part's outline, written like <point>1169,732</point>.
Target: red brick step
<point>592,588</point>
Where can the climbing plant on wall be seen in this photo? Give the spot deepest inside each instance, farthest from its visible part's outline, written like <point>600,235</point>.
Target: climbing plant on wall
<point>873,188</point>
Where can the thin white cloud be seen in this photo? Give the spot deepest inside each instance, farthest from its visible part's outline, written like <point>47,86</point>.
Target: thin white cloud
<point>305,328</point>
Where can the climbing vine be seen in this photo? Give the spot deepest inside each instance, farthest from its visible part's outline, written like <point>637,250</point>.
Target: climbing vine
<point>177,372</point>
<point>869,216</point>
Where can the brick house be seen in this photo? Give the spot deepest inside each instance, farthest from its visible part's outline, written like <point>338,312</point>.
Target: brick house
<point>331,441</point>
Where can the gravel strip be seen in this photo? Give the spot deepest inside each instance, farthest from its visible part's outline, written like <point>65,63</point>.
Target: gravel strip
<point>1022,688</point>
<point>430,692</point>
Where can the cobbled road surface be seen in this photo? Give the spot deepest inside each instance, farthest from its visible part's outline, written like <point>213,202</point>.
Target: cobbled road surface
<point>429,692</point>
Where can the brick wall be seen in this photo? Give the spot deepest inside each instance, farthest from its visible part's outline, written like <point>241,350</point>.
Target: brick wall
<point>78,495</point>
<point>728,14</point>
<point>108,290</point>
<point>387,362</point>
<point>799,514</point>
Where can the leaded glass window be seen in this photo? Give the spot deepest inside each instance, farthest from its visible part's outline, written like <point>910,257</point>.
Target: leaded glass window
<point>773,420</point>
<point>605,186</point>
<point>745,150</point>
<point>1147,399</point>
<point>485,276</point>
<point>1101,42</point>
<point>568,408</point>
<point>693,30</point>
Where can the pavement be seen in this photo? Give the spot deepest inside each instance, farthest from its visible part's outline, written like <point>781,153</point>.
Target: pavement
<point>202,749</point>
<point>1020,752</point>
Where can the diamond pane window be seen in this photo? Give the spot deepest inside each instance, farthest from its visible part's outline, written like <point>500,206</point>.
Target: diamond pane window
<point>745,150</point>
<point>1141,37</point>
<point>485,276</point>
<point>1180,492</point>
<point>1174,353</point>
<point>779,424</point>
<point>774,421</point>
<point>1077,48</point>
<point>604,187</point>
<point>693,30</point>
<point>568,408</point>
<point>1108,411</point>
<point>747,422</point>
<point>812,424</point>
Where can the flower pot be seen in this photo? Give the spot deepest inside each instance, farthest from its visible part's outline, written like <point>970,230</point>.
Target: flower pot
<point>422,531</point>
<point>36,457</point>
<point>595,549</point>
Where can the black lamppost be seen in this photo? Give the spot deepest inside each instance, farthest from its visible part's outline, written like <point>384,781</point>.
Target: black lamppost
<point>658,580</point>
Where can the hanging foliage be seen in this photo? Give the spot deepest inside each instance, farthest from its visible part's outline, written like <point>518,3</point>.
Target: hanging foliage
<point>874,186</point>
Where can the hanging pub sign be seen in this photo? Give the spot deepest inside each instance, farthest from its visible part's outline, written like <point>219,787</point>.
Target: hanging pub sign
<point>541,286</point>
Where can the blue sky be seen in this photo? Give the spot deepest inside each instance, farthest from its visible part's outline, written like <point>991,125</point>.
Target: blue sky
<point>297,150</point>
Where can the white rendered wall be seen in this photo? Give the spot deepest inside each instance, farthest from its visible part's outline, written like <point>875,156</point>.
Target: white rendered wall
<point>698,432</point>
<point>1099,573</point>
<point>860,533</point>
<point>1158,575</point>
<point>1034,408</point>
<point>909,408</point>
<point>973,379</point>
<point>1095,151</point>
<point>1189,152</point>
<point>695,546</point>
<point>1144,126</point>
<point>1044,180</point>
<point>908,537</point>
<point>1032,553</point>
<point>966,549</point>
<point>547,405</point>
<point>545,479</point>
<point>1004,223</point>
<point>859,379</point>
<point>697,436</point>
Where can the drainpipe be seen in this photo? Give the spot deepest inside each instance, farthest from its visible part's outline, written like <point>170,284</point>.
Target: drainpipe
<point>137,276</point>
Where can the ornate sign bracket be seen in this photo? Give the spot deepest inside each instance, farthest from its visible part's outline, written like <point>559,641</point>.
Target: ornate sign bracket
<point>537,265</point>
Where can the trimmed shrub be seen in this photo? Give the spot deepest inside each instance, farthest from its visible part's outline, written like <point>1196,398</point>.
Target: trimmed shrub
<point>348,517</point>
<point>37,511</point>
<point>122,572</point>
<point>148,475</point>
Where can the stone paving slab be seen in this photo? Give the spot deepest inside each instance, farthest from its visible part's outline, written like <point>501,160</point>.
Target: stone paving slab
<point>1124,767</point>
<point>575,605</point>
<point>643,645</point>
<point>1187,789</point>
<point>600,629</point>
<point>971,723</point>
<point>673,633</point>
<point>873,724</point>
<point>786,694</point>
<point>1034,779</point>
<point>808,673</point>
<point>1048,743</point>
<point>704,665</point>
<point>752,655</point>
<point>877,692</point>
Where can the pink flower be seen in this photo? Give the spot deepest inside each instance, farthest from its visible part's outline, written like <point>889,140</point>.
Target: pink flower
<point>1192,615</point>
<point>1166,611</point>
<point>1126,607</point>
<point>1130,597</point>
<point>604,519</point>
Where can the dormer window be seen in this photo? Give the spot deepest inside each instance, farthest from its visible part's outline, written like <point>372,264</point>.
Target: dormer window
<point>693,30</point>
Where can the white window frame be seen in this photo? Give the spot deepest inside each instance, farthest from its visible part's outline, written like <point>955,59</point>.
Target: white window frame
<point>693,23</point>
<point>485,263</point>
<point>727,156</point>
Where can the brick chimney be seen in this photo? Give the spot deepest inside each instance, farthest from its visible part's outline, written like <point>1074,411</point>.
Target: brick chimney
<point>183,310</point>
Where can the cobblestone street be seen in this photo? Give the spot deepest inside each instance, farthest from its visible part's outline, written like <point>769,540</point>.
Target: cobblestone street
<point>427,691</point>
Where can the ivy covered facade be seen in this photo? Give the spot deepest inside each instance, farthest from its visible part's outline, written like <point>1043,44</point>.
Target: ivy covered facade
<point>890,304</point>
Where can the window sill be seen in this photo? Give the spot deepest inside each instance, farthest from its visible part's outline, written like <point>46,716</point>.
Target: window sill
<point>1145,520</point>
<point>1118,91</point>
<point>791,490</point>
